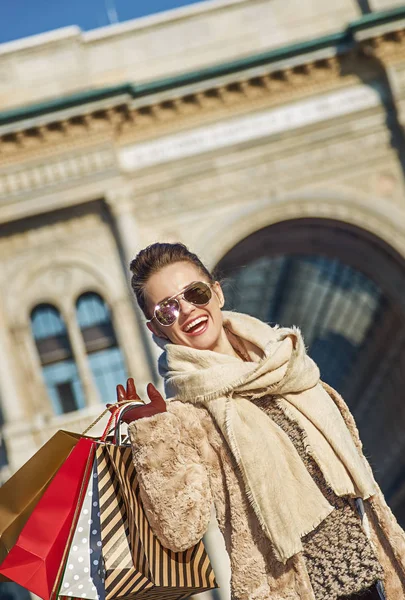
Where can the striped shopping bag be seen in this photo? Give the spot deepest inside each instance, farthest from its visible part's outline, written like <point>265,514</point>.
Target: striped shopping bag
<point>136,564</point>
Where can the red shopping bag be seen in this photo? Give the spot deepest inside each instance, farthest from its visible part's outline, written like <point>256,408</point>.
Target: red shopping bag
<point>35,560</point>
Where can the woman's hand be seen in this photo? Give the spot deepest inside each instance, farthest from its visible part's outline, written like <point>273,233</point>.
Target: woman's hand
<point>156,405</point>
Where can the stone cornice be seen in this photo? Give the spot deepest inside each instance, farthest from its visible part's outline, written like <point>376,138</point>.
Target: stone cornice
<point>128,112</point>
<point>59,170</point>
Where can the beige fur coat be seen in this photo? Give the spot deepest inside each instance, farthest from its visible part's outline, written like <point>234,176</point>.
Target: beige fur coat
<point>184,466</point>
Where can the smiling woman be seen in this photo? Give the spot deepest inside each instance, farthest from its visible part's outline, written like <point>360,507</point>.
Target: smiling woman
<point>250,427</point>
<point>180,297</point>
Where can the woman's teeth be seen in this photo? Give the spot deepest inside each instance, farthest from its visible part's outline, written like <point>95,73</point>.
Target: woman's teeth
<point>193,325</point>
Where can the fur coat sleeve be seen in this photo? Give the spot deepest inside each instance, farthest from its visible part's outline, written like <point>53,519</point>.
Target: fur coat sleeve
<point>387,536</point>
<point>174,484</point>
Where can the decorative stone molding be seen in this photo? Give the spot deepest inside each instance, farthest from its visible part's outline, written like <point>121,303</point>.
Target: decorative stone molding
<point>251,127</point>
<point>68,168</point>
<point>60,280</point>
<point>49,234</point>
<point>388,46</point>
<point>142,118</point>
<point>386,223</point>
<point>251,178</point>
<point>64,261</point>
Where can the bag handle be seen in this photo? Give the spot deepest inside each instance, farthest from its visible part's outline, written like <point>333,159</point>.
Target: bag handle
<point>110,420</point>
<point>118,422</point>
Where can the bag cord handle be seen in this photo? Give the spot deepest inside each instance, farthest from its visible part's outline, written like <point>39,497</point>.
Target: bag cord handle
<point>110,420</point>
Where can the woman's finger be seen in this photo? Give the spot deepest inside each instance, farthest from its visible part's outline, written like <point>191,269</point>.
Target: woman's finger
<point>156,398</point>
<point>131,390</point>
<point>121,394</point>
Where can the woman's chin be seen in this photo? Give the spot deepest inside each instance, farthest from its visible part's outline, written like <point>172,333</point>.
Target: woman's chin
<point>202,342</point>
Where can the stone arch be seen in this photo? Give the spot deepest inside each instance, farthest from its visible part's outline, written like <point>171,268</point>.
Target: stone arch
<point>374,387</point>
<point>372,214</point>
<point>43,282</point>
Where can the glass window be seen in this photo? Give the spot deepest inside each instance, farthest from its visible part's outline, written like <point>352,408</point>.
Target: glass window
<point>105,357</point>
<point>58,366</point>
<point>334,305</point>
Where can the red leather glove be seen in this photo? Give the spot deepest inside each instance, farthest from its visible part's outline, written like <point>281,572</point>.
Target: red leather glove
<point>156,405</point>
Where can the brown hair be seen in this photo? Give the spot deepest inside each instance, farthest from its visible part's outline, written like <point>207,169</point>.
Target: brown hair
<point>153,258</point>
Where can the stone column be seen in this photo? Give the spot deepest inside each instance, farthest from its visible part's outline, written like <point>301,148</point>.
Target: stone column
<point>129,341</point>
<point>23,394</point>
<point>33,388</point>
<point>140,349</point>
<point>80,355</point>
<point>12,407</point>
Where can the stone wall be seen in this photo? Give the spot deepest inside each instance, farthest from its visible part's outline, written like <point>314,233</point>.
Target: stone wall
<point>67,60</point>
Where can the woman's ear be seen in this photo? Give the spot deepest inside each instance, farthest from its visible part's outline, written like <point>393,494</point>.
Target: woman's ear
<point>220,295</point>
<point>156,331</point>
<point>150,327</point>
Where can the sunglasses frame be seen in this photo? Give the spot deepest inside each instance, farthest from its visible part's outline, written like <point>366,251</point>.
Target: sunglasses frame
<point>180,295</point>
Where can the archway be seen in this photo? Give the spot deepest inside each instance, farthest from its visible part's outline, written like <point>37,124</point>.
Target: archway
<point>345,289</point>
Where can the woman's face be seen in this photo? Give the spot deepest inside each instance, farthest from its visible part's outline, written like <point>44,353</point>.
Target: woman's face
<point>172,280</point>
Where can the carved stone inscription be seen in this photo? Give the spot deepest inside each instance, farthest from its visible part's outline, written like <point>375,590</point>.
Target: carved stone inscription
<point>253,126</point>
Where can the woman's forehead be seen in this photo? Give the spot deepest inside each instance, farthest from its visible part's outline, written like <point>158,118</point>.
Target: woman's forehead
<point>171,280</point>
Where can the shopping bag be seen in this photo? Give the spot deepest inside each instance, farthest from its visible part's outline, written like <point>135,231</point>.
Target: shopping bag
<point>84,573</point>
<point>36,559</point>
<point>20,494</point>
<point>122,578</point>
<point>136,563</point>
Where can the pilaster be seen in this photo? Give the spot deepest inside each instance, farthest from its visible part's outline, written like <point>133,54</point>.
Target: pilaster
<point>139,349</point>
<point>80,355</point>
<point>12,407</point>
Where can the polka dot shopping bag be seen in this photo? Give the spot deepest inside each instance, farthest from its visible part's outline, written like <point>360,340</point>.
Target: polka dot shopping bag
<point>84,574</point>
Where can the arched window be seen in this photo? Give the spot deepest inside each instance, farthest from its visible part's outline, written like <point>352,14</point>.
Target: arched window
<point>105,357</point>
<point>58,364</point>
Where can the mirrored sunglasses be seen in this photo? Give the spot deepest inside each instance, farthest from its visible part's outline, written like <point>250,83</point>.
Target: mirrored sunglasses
<point>167,312</point>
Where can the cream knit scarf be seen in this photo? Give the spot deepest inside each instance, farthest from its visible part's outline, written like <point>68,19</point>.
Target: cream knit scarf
<point>285,498</point>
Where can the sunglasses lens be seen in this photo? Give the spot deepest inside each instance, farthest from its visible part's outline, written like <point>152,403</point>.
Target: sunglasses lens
<point>167,312</point>
<point>198,293</point>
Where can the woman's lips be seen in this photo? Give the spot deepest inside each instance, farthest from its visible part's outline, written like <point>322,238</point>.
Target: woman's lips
<point>202,328</point>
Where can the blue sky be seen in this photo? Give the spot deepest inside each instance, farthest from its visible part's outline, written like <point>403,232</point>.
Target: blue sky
<point>20,18</point>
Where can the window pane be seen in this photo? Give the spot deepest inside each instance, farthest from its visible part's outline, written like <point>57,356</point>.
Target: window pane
<point>46,321</point>
<point>58,367</point>
<point>91,310</point>
<point>50,335</point>
<point>105,357</point>
<point>64,386</point>
<point>108,370</point>
<point>94,319</point>
<point>54,349</point>
<point>334,305</point>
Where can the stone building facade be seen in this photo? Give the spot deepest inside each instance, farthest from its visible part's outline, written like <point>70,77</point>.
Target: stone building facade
<point>268,136</point>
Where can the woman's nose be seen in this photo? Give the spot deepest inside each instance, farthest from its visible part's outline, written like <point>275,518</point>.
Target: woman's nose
<point>185,307</point>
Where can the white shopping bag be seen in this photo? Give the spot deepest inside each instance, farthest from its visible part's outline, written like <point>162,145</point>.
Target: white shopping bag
<point>84,574</point>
